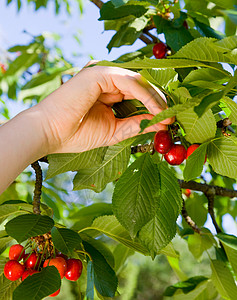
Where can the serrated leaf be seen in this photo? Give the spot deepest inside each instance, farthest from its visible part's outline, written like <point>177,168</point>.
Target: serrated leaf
<point>160,230</point>
<point>111,227</point>
<point>26,226</point>
<point>222,155</point>
<point>4,243</point>
<point>6,286</point>
<point>198,130</point>
<point>233,107</point>
<point>114,164</point>
<point>109,12</point>
<point>65,240</point>
<point>223,280</point>
<point>7,210</point>
<point>195,206</point>
<point>195,162</point>
<point>39,285</point>
<point>208,102</point>
<point>121,253</point>
<point>64,162</point>
<point>105,279</point>
<point>198,243</point>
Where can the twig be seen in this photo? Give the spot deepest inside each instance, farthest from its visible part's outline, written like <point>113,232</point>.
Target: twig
<point>210,198</point>
<point>98,3</point>
<point>188,219</point>
<point>38,187</point>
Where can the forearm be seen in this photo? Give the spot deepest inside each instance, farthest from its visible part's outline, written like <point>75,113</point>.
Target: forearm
<point>22,141</point>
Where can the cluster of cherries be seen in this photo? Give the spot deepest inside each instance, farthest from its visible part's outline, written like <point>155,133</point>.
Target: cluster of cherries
<point>32,263</point>
<point>174,154</point>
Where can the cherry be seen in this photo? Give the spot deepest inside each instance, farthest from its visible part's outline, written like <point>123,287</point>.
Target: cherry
<point>160,50</point>
<point>163,141</point>
<point>176,155</point>
<point>191,149</point>
<point>28,273</point>
<point>187,193</point>
<point>32,261</point>
<point>3,68</point>
<point>59,263</point>
<point>16,252</point>
<point>55,293</point>
<point>74,269</point>
<point>13,270</point>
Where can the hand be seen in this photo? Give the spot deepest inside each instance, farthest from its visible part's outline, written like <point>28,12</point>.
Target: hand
<point>78,116</point>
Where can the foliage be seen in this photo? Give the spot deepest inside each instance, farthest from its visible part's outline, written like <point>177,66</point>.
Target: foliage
<point>198,78</point>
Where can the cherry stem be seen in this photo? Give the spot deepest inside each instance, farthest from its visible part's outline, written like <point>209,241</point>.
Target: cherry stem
<point>86,253</point>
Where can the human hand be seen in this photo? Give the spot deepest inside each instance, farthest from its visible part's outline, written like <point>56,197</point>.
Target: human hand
<point>78,116</point>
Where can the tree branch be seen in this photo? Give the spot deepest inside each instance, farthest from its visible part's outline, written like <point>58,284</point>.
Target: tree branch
<point>188,219</point>
<point>38,187</point>
<point>98,3</point>
<point>210,198</point>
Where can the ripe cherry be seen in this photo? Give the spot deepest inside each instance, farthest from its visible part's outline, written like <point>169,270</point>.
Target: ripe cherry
<point>160,50</point>
<point>187,193</point>
<point>59,263</point>
<point>74,269</point>
<point>163,141</point>
<point>13,270</point>
<point>28,273</point>
<point>32,261</point>
<point>16,252</point>
<point>176,155</point>
<point>3,68</point>
<point>191,149</point>
<point>55,293</point>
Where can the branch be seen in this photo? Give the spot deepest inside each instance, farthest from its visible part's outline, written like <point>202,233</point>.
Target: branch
<point>210,198</point>
<point>98,3</point>
<point>188,219</point>
<point>38,187</point>
<point>205,188</point>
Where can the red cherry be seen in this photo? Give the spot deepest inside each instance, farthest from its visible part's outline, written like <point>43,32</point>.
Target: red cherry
<point>185,24</point>
<point>3,68</point>
<point>13,270</point>
<point>32,261</point>
<point>176,155</point>
<point>74,269</point>
<point>16,252</point>
<point>59,263</point>
<point>55,293</point>
<point>160,50</point>
<point>28,273</point>
<point>191,149</point>
<point>163,141</point>
<point>187,193</point>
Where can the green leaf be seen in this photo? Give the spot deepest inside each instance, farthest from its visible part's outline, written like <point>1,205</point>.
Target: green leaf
<point>230,245</point>
<point>222,155</point>
<point>233,107</point>
<point>64,162</point>
<point>207,31</point>
<point>7,210</point>
<point>198,243</point>
<point>208,102</point>
<point>121,253</point>
<point>105,278</point>
<point>206,75</point>
<point>109,12</point>
<point>160,230</point>
<point>195,206</point>
<point>110,226</point>
<point>26,226</point>
<point>6,286</point>
<point>90,281</point>
<point>141,53</point>
<point>65,240</point>
<point>195,162</point>
<point>118,3</point>
<point>223,280</point>
<point>135,194</point>
<point>114,164</point>
<point>4,243</point>
<point>198,130</point>
<point>39,285</point>
<point>185,286</point>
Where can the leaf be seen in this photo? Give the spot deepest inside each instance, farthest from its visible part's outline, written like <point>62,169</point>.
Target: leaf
<point>109,12</point>
<point>198,243</point>
<point>65,240</point>
<point>6,286</point>
<point>195,162</point>
<point>135,194</point>
<point>195,206</point>
<point>105,278</point>
<point>207,75</point>
<point>160,230</point>
<point>64,162</point>
<point>4,243</point>
<point>233,107</point>
<point>230,245</point>
<point>26,226</point>
<point>208,102</point>
<point>110,226</point>
<point>114,164</point>
<point>90,281</point>
<point>7,210</point>
<point>186,286</point>
<point>39,285</point>
<point>118,3</point>
<point>223,280</point>
<point>140,53</point>
<point>222,155</point>
<point>198,130</point>
<point>121,253</point>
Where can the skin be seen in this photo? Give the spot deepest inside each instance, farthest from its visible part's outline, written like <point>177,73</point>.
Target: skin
<point>77,117</point>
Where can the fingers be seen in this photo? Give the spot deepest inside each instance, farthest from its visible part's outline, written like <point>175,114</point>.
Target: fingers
<point>129,127</point>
